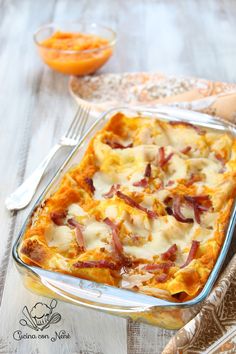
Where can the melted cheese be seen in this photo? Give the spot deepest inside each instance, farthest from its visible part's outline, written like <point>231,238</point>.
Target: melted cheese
<point>59,262</point>
<point>76,210</point>
<point>177,168</point>
<point>188,137</point>
<point>95,234</point>
<point>111,212</point>
<point>165,232</point>
<point>60,237</point>
<point>207,167</point>
<point>103,182</point>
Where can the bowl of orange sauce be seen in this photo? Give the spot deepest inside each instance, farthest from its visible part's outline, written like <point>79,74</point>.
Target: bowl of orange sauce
<point>75,48</point>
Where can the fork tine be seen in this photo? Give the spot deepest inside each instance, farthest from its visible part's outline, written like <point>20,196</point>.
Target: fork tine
<point>74,122</point>
<point>85,121</point>
<point>82,122</point>
<point>77,123</point>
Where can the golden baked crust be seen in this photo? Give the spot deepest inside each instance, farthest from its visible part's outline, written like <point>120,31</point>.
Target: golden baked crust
<point>146,209</point>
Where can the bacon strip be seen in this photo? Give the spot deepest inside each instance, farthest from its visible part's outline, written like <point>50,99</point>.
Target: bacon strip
<point>118,247</point>
<point>186,150</point>
<point>151,214</point>
<point>125,262</point>
<point>168,157</point>
<point>200,198</point>
<point>58,218</point>
<point>192,180</point>
<point>116,145</point>
<point>79,237</point>
<point>161,153</point>
<point>161,185</point>
<point>198,129</point>
<point>222,170</point>
<point>112,191</point>
<point>78,233</point>
<point>148,171</point>
<point>169,210</point>
<point>196,211</point>
<point>198,208</point>
<point>89,182</point>
<point>170,254</point>
<point>170,183</point>
<point>177,212</point>
<point>161,278</point>
<point>159,266</point>
<point>96,264</point>
<point>73,223</point>
<point>142,183</point>
<point>220,158</point>
<point>162,159</point>
<point>192,253</point>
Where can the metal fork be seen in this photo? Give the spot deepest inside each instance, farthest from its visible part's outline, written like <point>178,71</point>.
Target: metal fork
<point>21,197</point>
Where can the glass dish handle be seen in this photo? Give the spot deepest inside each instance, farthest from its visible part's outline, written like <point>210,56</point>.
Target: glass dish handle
<point>98,296</point>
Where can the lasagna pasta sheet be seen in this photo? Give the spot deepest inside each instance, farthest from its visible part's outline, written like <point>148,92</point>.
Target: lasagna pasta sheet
<point>146,209</point>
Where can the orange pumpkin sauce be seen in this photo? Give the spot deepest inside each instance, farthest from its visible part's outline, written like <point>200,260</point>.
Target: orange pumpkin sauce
<point>75,53</point>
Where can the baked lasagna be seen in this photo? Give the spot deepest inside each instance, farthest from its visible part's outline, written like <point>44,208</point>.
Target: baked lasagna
<point>146,209</point>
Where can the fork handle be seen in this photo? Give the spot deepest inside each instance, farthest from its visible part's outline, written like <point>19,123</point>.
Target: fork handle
<point>21,197</point>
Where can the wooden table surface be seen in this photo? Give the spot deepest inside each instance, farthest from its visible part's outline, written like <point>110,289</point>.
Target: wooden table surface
<point>187,37</point>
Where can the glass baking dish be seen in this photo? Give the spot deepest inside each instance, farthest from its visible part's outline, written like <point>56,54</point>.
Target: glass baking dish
<point>113,300</point>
